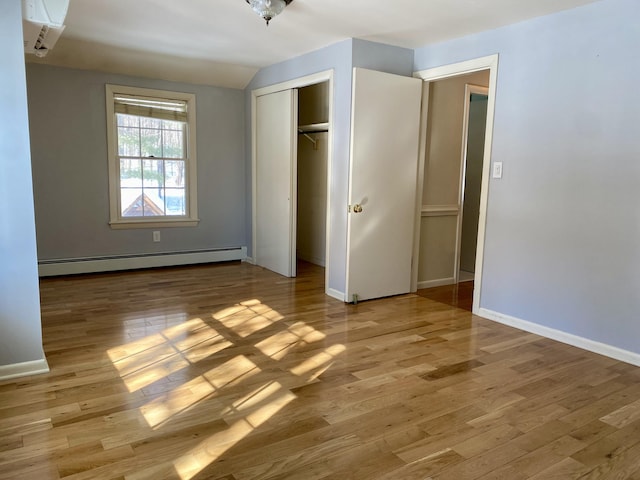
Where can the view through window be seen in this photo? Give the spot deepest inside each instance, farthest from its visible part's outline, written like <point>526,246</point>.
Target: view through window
<point>152,158</point>
<point>152,164</point>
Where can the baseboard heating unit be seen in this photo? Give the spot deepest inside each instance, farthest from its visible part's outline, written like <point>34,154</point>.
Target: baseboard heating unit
<point>71,266</point>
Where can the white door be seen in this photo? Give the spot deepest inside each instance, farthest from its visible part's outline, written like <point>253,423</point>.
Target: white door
<point>275,173</point>
<point>382,184</point>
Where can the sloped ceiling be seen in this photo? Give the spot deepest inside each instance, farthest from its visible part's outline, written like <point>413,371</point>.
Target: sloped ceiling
<point>222,42</point>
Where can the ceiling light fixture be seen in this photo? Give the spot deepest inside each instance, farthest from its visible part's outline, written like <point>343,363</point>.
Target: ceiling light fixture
<point>268,9</point>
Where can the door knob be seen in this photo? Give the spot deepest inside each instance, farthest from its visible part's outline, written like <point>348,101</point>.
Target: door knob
<point>357,208</point>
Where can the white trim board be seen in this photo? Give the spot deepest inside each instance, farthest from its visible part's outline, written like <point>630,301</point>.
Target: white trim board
<point>439,282</point>
<point>333,293</point>
<point>564,337</point>
<point>23,369</point>
<point>440,210</point>
<point>132,262</point>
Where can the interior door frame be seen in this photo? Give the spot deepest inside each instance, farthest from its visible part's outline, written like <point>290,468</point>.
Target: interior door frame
<point>469,89</point>
<point>490,63</point>
<point>296,83</point>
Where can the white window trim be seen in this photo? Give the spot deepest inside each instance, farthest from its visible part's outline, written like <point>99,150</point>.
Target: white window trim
<point>115,220</point>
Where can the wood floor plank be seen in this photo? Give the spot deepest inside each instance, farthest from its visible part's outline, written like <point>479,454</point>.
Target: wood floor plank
<point>231,372</point>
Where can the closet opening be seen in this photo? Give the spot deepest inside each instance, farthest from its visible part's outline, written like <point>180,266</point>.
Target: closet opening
<point>311,178</point>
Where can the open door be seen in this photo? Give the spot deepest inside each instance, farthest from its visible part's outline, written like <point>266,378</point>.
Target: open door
<point>275,170</point>
<point>382,184</point>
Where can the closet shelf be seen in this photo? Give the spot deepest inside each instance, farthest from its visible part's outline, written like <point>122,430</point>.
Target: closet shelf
<point>314,127</point>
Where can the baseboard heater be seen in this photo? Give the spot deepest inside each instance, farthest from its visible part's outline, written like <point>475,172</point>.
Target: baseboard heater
<point>71,266</point>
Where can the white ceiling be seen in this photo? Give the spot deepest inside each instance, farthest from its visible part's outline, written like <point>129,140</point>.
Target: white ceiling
<point>222,42</point>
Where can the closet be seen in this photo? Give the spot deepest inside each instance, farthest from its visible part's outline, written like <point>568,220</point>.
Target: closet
<point>312,163</point>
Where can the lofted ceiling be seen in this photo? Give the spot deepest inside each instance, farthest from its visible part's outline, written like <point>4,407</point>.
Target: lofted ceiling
<point>223,42</point>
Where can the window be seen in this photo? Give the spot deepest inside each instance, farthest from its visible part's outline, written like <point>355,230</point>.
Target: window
<point>152,167</point>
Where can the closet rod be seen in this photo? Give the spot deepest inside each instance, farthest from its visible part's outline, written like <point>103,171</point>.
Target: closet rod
<point>314,128</point>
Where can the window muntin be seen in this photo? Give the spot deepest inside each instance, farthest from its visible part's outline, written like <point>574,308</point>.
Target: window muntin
<point>152,157</point>
<point>152,163</point>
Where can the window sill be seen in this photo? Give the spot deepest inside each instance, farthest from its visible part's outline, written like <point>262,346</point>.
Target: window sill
<point>182,222</point>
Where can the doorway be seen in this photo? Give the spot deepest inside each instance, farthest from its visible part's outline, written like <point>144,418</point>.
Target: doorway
<point>440,221</point>
<point>312,160</point>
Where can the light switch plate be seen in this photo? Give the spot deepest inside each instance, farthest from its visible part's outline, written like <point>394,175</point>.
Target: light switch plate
<point>497,170</point>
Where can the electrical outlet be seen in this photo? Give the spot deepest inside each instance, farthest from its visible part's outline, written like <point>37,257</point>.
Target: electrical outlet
<point>156,236</point>
<point>497,170</point>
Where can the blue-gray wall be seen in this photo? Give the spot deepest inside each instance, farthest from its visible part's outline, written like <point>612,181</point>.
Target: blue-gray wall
<point>563,229</point>
<point>341,57</point>
<point>20,325</point>
<point>69,153</point>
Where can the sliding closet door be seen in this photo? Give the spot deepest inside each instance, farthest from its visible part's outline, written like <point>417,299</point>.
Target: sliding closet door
<point>275,173</point>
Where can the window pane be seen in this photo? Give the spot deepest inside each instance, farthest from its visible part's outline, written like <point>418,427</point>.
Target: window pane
<point>127,120</point>
<point>174,173</point>
<point>131,202</point>
<point>148,122</point>
<point>130,173</point>
<point>171,125</point>
<point>150,142</point>
<point>176,201</point>
<point>128,142</point>
<point>153,174</point>
<point>153,202</point>
<point>172,144</point>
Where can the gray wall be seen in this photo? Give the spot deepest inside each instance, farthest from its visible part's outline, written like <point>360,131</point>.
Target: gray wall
<point>69,154</point>
<point>563,230</point>
<point>20,326</point>
<point>341,58</point>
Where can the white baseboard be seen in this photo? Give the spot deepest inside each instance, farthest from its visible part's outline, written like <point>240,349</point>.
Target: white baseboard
<point>72,266</point>
<point>249,260</point>
<point>15,370</point>
<point>564,337</point>
<point>335,294</point>
<point>436,283</point>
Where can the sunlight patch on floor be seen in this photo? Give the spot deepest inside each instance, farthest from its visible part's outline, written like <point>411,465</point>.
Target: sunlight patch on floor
<point>193,392</point>
<point>241,391</point>
<point>273,398</point>
<point>319,363</point>
<point>148,360</point>
<point>248,317</point>
<point>277,346</point>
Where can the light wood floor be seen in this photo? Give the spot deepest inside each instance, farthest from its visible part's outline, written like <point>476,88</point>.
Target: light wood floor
<point>231,372</point>
<point>457,295</point>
